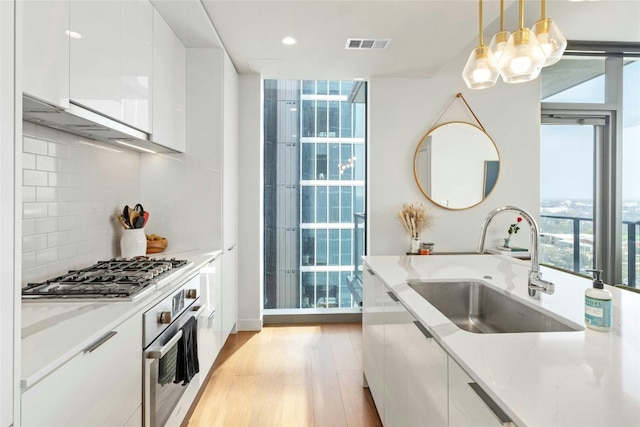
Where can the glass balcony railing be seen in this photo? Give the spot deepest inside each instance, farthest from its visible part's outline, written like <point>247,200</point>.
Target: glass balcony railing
<point>567,242</point>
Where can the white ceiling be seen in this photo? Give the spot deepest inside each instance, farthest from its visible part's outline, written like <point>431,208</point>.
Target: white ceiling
<point>426,34</point>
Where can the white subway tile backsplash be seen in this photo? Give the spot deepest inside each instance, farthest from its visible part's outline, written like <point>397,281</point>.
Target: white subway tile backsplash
<point>34,210</point>
<point>61,151</point>
<point>34,243</point>
<point>29,194</point>
<point>28,227</point>
<point>47,256</point>
<point>34,178</point>
<point>34,146</point>
<point>46,194</point>
<point>28,161</point>
<point>59,179</point>
<point>72,191</point>
<point>46,225</point>
<point>46,163</point>
<point>57,239</point>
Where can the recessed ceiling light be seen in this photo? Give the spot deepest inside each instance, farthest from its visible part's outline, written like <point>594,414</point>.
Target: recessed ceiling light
<point>73,34</point>
<point>289,41</point>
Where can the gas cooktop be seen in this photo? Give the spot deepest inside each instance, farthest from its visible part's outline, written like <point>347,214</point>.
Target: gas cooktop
<point>113,279</point>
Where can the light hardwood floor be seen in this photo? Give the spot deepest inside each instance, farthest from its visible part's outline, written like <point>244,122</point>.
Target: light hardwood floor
<point>289,376</point>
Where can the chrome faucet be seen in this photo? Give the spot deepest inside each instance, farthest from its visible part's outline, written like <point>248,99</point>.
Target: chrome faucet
<point>536,283</point>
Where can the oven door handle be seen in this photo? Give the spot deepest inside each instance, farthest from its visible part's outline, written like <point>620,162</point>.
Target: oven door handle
<point>160,352</point>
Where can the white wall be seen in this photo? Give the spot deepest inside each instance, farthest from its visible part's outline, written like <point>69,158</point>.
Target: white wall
<point>250,204</point>
<point>401,111</point>
<point>9,272</point>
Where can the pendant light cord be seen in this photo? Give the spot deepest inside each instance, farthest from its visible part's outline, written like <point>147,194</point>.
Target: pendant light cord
<point>501,15</point>
<point>544,9</point>
<point>521,14</point>
<point>480,35</point>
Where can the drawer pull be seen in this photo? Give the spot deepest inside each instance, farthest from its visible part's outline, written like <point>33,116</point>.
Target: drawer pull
<point>495,409</point>
<point>393,296</point>
<point>422,329</point>
<point>101,341</point>
<point>370,271</point>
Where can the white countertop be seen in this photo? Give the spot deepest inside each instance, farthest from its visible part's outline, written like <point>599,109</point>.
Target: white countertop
<point>584,378</point>
<point>54,332</point>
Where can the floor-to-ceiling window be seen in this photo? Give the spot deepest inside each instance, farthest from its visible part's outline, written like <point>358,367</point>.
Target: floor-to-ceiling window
<point>314,187</point>
<point>590,153</point>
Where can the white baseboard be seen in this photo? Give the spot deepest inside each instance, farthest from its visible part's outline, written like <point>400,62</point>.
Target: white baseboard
<point>249,324</point>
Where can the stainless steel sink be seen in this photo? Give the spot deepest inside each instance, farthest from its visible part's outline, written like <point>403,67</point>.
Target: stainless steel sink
<point>476,307</point>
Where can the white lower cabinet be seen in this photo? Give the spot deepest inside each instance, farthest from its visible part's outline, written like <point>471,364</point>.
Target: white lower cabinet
<point>427,380</point>
<point>373,318</point>
<point>413,381</point>
<point>210,321</point>
<point>396,370</point>
<point>101,386</point>
<point>468,403</point>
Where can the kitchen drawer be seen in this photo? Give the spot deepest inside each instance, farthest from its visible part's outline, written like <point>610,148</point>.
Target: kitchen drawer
<point>468,403</point>
<point>101,386</point>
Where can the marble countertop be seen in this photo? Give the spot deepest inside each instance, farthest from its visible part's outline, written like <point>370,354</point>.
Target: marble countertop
<point>53,331</point>
<point>582,378</point>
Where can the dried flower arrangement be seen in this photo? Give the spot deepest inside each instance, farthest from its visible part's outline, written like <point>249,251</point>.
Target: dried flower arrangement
<point>415,218</point>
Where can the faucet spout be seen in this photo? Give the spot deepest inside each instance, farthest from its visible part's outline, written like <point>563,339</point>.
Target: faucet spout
<point>535,283</point>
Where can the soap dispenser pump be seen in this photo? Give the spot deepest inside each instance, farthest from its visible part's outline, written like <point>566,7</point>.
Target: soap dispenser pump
<point>597,305</point>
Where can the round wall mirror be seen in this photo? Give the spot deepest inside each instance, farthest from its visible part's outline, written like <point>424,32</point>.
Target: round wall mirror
<point>456,165</point>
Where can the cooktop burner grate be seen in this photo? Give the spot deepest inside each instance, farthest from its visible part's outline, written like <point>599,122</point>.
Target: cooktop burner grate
<point>114,278</point>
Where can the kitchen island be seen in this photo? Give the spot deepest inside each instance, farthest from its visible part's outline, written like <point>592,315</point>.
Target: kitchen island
<point>575,378</point>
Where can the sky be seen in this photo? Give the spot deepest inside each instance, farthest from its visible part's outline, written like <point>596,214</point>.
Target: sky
<point>566,153</point>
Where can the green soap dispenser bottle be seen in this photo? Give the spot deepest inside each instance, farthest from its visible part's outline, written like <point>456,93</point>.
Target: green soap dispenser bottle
<point>598,305</point>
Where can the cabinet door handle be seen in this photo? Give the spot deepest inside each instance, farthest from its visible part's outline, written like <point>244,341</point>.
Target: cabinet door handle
<point>393,296</point>
<point>370,271</point>
<point>100,341</point>
<point>231,248</point>
<point>212,315</point>
<point>422,329</point>
<point>493,407</point>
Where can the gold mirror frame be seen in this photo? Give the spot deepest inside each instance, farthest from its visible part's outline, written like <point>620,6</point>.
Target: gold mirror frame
<point>490,167</point>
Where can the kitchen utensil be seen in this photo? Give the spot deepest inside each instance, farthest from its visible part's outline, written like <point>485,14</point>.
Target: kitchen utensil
<point>125,215</point>
<point>139,222</point>
<point>132,218</point>
<point>146,218</point>
<point>138,208</point>
<point>123,222</point>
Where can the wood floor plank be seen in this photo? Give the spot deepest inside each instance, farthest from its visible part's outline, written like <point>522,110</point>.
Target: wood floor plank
<point>288,376</point>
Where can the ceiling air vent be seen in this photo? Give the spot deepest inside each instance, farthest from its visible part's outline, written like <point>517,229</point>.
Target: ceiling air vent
<point>367,44</point>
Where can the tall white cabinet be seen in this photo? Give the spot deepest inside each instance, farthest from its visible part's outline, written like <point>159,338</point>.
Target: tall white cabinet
<point>212,117</point>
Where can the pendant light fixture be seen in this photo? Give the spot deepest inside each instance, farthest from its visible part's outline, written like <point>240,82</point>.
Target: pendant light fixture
<point>523,57</point>
<point>481,70</point>
<point>551,40</point>
<point>499,39</point>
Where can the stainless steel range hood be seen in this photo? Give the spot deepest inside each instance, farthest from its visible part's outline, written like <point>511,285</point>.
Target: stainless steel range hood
<point>86,123</point>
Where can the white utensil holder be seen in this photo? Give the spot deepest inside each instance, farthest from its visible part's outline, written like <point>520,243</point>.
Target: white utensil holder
<point>133,243</point>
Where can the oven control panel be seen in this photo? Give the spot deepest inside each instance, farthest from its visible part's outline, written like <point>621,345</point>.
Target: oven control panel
<point>162,315</point>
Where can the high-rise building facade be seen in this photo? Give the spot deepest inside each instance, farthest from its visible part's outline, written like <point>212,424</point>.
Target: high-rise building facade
<point>314,182</point>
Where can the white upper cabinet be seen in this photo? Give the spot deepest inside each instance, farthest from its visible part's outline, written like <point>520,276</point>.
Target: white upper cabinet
<point>136,43</point>
<point>168,99</point>
<point>111,58</point>
<point>45,47</point>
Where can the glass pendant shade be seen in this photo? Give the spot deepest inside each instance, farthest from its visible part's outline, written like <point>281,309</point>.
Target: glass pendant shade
<point>499,43</point>
<point>551,40</point>
<point>481,70</point>
<point>523,57</point>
